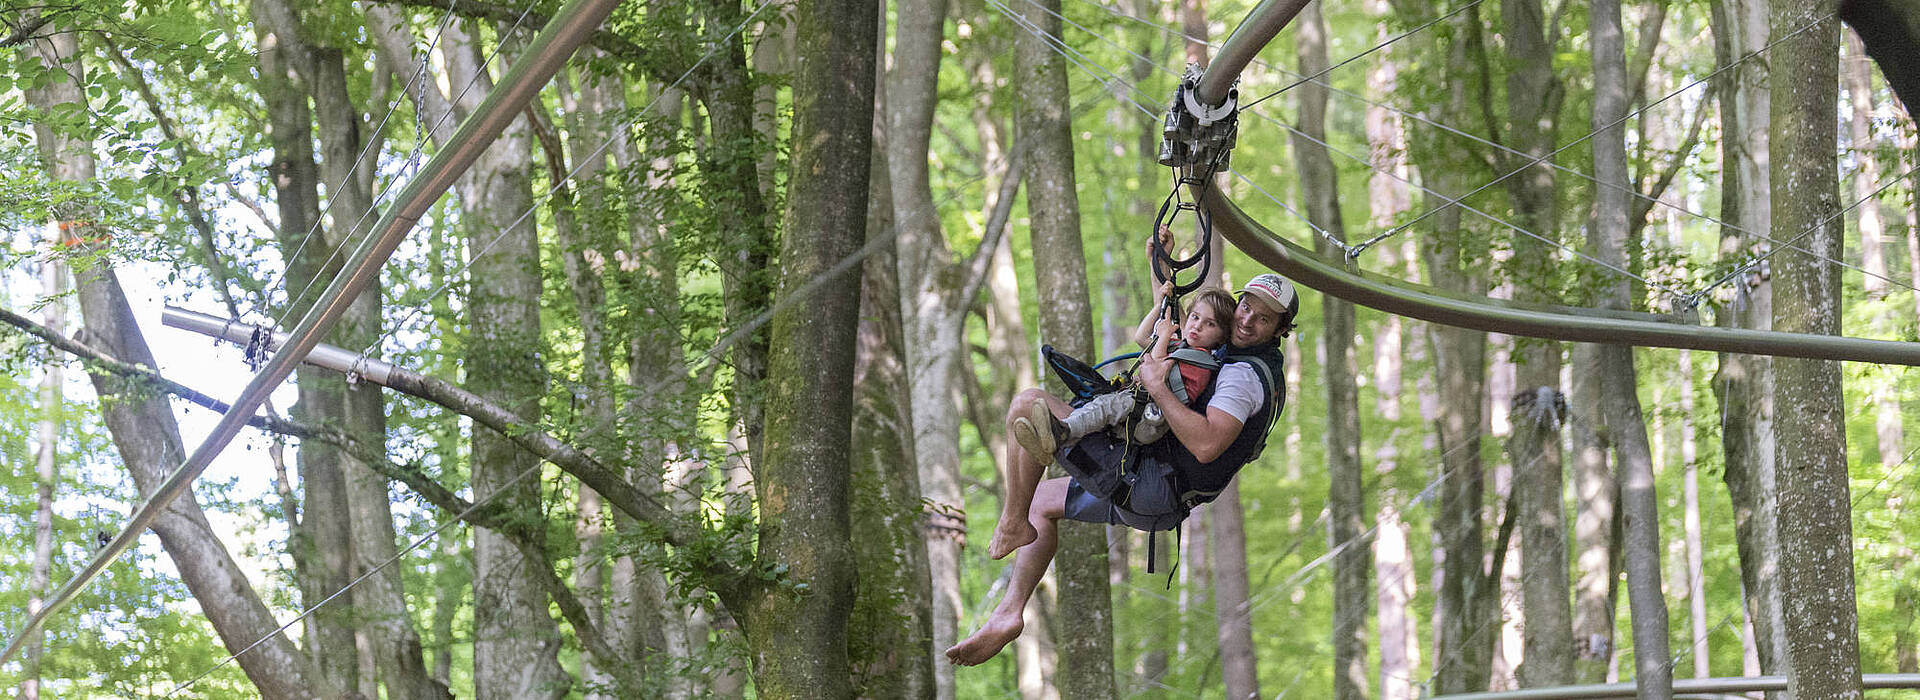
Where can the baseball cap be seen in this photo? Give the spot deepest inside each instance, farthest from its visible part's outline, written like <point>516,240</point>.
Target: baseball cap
<point>1276,293</point>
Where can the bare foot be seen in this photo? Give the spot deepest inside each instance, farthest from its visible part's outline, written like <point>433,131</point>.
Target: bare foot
<point>1000,630</point>
<point>1009,535</point>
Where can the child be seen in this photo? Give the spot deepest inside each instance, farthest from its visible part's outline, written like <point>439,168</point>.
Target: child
<point>1204,329</point>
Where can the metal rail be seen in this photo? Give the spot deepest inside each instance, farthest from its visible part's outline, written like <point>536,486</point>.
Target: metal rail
<point>548,52</point>
<point>323,355</point>
<point>1400,298</point>
<point>1692,686</point>
<point>1557,323</point>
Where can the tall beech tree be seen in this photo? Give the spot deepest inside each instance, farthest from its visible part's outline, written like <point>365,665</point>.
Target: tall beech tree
<point>1816,529</point>
<point>799,624</point>
<point>1066,322</point>
<point>1346,495</point>
<point>142,424</point>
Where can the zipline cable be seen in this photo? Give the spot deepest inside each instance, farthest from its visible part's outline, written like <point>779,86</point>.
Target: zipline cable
<point>1589,136</point>
<point>1352,250</point>
<point>579,164</point>
<point>420,71</point>
<point>1429,121</point>
<point>548,52</point>
<point>873,245</point>
<point>1358,56</point>
<point>486,498</point>
<point>1822,223</point>
<point>419,146</point>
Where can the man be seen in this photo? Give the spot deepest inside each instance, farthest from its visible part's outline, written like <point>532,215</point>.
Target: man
<point>1159,482</point>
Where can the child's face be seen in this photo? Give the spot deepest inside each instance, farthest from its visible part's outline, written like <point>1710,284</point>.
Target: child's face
<point>1201,330</point>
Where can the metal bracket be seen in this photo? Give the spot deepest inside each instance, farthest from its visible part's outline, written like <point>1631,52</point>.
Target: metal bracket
<point>1196,134</point>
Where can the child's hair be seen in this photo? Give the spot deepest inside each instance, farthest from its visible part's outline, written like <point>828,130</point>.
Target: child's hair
<point>1218,303</point>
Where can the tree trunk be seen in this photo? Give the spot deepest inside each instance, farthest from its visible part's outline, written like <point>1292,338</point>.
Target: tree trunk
<point>893,601</point>
<point>578,254</point>
<point>729,163</point>
<point>647,619</point>
<point>1463,648</point>
<point>1387,200</point>
<point>380,600</point>
<point>1856,69</point>
<point>322,546</point>
<point>46,468</point>
<point>1346,497</point>
<point>1060,275</point>
<point>142,424</point>
<point>1533,98</point>
<point>928,285</point>
<point>1816,533</point>
<point>797,628</point>
<point>516,641</point>
<point>1620,405</point>
<point>1743,384</point>
<point>1696,567</point>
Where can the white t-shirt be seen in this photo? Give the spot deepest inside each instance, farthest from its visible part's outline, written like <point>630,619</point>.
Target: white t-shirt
<point>1237,391</point>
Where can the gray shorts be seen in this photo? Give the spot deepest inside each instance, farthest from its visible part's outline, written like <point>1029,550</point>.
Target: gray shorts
<point>1143,496</point>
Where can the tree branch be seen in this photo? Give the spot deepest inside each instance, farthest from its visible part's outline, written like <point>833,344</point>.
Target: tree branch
<point>1642,206</point>
<point>982,261</point>
<point>522,433</point>
<point>99,360</point>
<point>1483,86</point>
<point>187,195</point>
<point>26,29</point>
<point>487,516</point>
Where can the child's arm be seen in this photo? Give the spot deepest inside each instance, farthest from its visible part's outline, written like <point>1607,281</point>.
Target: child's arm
<point>1143,334</point>
<point>1163,334</point>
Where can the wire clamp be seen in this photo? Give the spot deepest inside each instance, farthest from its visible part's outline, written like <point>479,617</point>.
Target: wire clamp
<point>1195,134</point>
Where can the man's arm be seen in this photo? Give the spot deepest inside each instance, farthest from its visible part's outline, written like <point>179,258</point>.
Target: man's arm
<point>1204,435</point>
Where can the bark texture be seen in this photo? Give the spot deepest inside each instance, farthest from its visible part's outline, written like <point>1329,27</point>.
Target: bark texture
<point>1387,200</point>
<point>1346,497</point>
<point>142,424</point>
<point>516,642</point>
<point>893,601</point>
<point>322,546</point>
<point>1743,384</point>
<point>1066,321</point>
<point>797,626</point>
<point>1619,404</point>
<point>1816,531</point>
<point>928,285</point>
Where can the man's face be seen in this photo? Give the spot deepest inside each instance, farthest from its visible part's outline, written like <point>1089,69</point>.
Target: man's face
<point>1253,323</point>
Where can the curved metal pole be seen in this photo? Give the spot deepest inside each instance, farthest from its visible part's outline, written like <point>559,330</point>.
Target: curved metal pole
<point>1554,323</point>
<point>1700,686</point>
<point>549,51</point>
<point>1260,26</point>
<point>1400,298</point>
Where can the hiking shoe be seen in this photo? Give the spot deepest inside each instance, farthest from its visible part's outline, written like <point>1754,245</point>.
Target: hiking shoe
<point>1038,432</point>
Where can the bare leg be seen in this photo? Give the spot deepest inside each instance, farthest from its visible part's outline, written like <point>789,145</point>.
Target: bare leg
<point>1005,624</point>
<point>1023,475</point>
